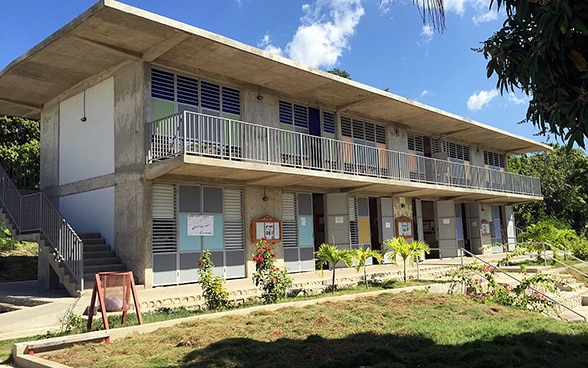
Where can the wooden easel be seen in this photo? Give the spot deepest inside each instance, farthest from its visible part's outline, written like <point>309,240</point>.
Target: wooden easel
<point>105,280</point>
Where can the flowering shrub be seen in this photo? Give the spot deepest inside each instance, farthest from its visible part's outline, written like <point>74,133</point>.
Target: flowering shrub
<point>479,282</point>
<point>273,281</point>
<point>213,287</point>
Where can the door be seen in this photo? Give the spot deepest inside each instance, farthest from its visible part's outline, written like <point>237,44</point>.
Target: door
<point>447,229</point>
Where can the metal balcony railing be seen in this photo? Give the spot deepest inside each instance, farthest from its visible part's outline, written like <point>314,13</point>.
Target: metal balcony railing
<point>34,213</point>
<point>190,133</point>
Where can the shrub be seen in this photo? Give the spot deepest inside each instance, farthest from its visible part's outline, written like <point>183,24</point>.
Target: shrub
<point>331,255</point>
<point>214,292</point>
<point>7,242</point>
<point>479,282</point>
<point>273,281</point>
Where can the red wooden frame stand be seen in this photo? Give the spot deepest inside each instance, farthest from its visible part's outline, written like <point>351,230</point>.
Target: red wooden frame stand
<point>114,290</point>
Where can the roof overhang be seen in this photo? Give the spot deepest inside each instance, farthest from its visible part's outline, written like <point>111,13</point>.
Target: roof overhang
<point>110,34</point>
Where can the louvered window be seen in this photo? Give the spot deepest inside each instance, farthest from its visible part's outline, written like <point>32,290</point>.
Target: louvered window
<point>346,129</point>
<point>494,159</point>
<point>165,224</point>
<point>457,151</point>
<point>162,85</point>
<point>210,96</point>
<point>353,225</point>
<point>294,116</point>
<point>328,122</point>
<point>363,132</point>
<point>233,218</point>
<point>416,143</point>
<point>289,223</point>
<point>231,100</point>
<point>185,90</point>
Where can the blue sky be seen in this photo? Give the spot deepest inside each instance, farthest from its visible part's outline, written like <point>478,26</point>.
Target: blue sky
<point>381,43</point>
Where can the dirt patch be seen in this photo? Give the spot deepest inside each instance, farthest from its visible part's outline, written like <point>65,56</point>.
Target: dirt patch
<point>18,265</point>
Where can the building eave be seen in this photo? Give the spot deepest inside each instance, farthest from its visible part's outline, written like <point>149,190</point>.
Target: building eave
<point>111,33</point>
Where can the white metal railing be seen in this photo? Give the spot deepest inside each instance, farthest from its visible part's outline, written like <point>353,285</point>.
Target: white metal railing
<point>190,133</point>
<point>34,213</point>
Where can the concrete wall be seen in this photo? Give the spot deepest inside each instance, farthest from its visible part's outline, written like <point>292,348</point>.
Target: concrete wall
<point>264,111</point>
<point>132,228</point>
<point>486,240</point>
<point>254,208</point>
<point>86,149</point>
<point>91,211</point>
<point>49,148</point>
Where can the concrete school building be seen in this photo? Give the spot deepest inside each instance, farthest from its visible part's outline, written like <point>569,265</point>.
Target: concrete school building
<point>168,140</point>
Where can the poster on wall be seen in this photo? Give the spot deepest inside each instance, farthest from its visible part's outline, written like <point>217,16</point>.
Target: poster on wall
<point>267,228</point>
<point>270,230</point>
<point>200,225</point>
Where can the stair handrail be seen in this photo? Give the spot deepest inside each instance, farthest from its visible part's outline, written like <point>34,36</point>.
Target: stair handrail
<point>520,281</point>
<point>42,217</point>
<point>566,254</point>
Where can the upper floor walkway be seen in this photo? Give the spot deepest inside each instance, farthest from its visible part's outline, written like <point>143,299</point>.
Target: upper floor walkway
<point>340,162</point>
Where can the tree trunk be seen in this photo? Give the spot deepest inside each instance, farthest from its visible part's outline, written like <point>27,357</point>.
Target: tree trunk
<point>333,283</point>
<point>405,270</point>
<point>365,277</point>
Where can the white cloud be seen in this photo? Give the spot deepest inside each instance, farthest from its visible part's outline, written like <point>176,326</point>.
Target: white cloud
<point>516,100</point>
<point>486,17</point>
<point>427,33</point>
<point>481,99</point>
<point>424,93</point>
<point>267,45</point>
<point>456,6</point>
<point>324,33</point>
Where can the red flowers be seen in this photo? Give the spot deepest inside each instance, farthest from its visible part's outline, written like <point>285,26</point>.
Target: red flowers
<point>258,259</point>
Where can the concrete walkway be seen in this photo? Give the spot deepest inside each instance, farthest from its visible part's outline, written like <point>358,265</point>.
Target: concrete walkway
<point>39,319</point>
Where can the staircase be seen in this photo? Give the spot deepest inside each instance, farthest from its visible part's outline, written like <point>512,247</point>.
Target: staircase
<point>32,217</point>
<point>98,258</point>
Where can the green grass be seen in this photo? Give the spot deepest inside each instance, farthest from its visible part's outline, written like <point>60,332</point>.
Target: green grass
<point>387,330</point>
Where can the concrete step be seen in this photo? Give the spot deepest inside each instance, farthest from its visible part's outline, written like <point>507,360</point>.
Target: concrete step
<point>96,247</point>
<point>94,269</point>
<point>93,241</point>
<point>99,254</point>
<point>101,261</point>
<point>89,235</point>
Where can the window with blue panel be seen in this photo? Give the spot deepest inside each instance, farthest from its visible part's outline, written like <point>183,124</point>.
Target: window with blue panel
<point>200,218</point>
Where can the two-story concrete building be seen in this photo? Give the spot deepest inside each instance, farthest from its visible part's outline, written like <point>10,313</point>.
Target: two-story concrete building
<point>169,140</point>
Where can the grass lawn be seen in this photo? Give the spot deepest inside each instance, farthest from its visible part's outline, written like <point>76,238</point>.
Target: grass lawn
<point>388,330</point>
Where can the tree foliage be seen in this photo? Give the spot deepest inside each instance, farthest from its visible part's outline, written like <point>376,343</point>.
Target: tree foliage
<point>564,183</point>
<point>331,255</point>
<point>542,49</point>
<point>19,150</point>
<point>341,73</point>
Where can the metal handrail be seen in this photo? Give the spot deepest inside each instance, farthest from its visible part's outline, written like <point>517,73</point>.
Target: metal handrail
<point>34,213</point>
<point>566,254</point>
<point>520,281</point>
<point>190,133</point>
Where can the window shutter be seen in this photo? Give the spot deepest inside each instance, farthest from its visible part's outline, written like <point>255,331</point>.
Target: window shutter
<point>164,231</point>
<point>233,218</point>
<point>289,222</point>
<point>162,85</point>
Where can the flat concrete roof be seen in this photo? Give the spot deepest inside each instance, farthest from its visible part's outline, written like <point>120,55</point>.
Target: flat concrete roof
<point>111,33</point>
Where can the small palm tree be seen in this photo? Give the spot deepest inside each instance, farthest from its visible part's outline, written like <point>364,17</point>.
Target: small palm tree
<point>361,256</point>
<point>400,247</point>
<point>329,254</point>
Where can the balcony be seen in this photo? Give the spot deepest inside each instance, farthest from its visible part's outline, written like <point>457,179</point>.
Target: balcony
<point>205,136</point>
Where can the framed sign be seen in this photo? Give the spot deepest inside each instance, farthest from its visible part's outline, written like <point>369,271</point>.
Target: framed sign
<point>404,227</point>
<point>266,227</point>
<point>485,227</point>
